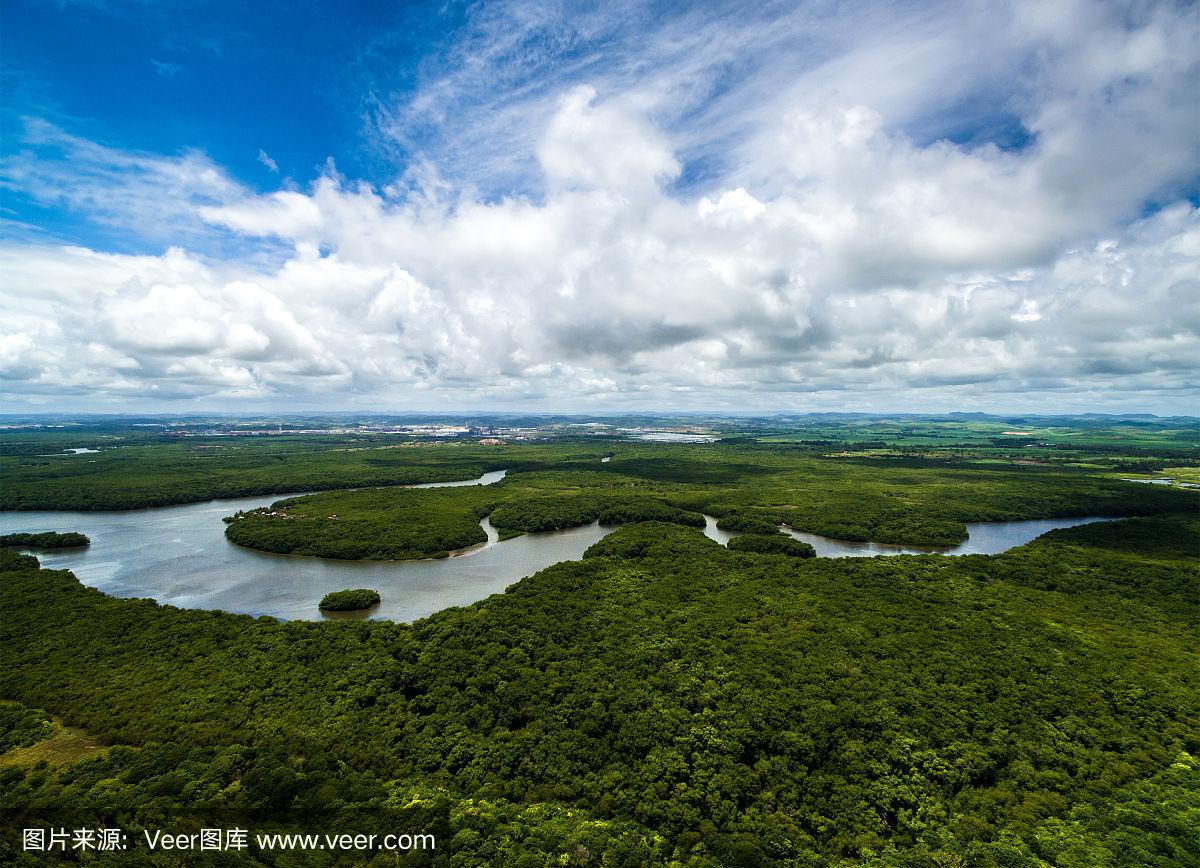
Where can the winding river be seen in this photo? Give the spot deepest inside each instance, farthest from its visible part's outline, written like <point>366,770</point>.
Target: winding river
<point>984,538</point>
<point>179,555</point>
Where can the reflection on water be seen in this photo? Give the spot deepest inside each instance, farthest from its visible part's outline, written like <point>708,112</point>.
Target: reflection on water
<point>179,555</point>
<point>487,479</point>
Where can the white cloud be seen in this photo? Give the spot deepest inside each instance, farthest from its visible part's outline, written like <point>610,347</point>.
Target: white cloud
<point>155,195</point>
<point>841,259</point>
<point>265,159</point>
<point>590,147</point>
<point>165,69</point>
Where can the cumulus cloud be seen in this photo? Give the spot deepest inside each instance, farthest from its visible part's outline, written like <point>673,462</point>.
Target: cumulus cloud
<point>590,147</point>
<point>842,259</point>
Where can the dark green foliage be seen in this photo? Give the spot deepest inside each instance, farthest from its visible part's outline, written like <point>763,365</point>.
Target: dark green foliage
<point>629,510</point>
<point>915,499</point>
<point>12,561</point>
<point>934,531</point>
<point>47,540</point>
<point>546,513</point>
<point>554,513</point>
<point>747,523</point>
<point>350,600</point>
<point>845,500</point>
<point>663,699</point>
<point>378,523</point>
<point>772,545</point>
<point>1172,537</point>
<point>399,524</point>
<point>1140,557</point>
<point>653,539</point>
<point>21,726</point>
<point>200,469</point>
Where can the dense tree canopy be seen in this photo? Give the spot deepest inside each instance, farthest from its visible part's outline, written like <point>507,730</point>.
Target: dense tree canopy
<point>742,522</point>
<point>663,699</point>
<point>750,489</point>
<point>350,600</point>
<point>853,495</point>
<point>772,545</point>
<point>46,540</point>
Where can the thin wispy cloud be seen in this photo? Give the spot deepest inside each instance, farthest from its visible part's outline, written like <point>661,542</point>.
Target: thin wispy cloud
<point>165,68</point>
<point>265,159</point>
<point>151,194</point>
<point>778,206</point>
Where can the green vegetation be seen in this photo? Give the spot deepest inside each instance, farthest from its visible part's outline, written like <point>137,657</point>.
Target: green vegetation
<point>350,600</point>
<point>537,514</point>
<point>21,726</point>
<point>151,466</point>
<point>772,545</point>
<point>751,488</point>
<point>663,699</point>
<point>47,540</point>
<point>31,738</point>
<point>13,561</point>
<point>377,523</point>
<point>399,524</point>
<point>740,522</point>
<point>553,513</point>
<point>205,468</point>
<point>1037,436</point>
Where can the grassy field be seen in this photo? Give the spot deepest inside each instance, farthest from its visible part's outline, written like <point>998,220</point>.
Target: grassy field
<point>30,736</point>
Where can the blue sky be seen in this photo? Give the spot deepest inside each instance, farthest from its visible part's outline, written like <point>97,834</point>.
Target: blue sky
<point>534,205</point>
<point>294,81</point>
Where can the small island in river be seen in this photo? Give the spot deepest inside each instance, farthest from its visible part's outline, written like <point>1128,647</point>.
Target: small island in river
<point>351,600</point>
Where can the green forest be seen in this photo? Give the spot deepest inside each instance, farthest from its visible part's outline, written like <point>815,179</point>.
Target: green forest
<point>752,489</point>
<point>663,701</point>
<point>45,540</point>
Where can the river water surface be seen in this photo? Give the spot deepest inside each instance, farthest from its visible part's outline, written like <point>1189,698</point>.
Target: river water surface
<point>984,538</point>
<point>179,555</point>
